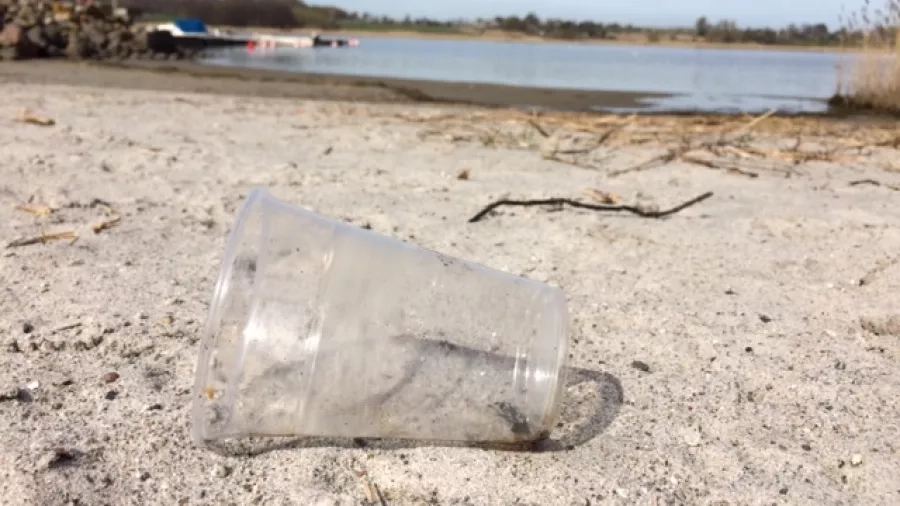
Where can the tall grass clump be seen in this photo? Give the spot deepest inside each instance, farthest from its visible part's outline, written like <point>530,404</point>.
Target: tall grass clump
<point>871,77</point>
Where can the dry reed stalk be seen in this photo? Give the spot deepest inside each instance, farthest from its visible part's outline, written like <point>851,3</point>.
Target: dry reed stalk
<point>872,79</point>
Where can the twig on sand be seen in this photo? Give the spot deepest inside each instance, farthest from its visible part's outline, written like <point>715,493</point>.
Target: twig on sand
<point>667,157</point>
<point>36,210</point>
<point>571,161</point>
<point>725,139</point>
<point>106,225</point>
<point>602,196</point>
<point>534,124</point>
<point>600,140</point>
<point>42,239</point>
<point>638,211</point>
<point>880,266</point>
<point>712,164</point>
<point>743,129</point>
<point>67,327</point>
<point>26,117</point>
<point>874,182</point>
<point>373,493</point>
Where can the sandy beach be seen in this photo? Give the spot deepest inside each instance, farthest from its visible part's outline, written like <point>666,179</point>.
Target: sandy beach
<point>742,351</point>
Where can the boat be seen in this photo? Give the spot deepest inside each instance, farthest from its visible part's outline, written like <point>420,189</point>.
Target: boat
<point>194,32</point>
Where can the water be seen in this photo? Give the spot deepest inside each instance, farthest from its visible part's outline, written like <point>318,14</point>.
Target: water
<point>720,80</point>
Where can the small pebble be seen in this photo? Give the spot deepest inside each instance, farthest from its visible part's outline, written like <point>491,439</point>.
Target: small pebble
<point>14,394</point>
<point>27,328</point>
<point>144,476</point>
<point>111,395</point>
<point>33,385</point>
<point>154,407</point>
<point>783,491</point>
<point>806,447</point>
<point>856,460</point>
<point>693,438</point>
<point>749,349</point>
<point>110,377</point>
<point>60,457</point>
<point>765,319</point>
<point>12,346</point>
<point>221,471</point>
<point>640,366</point>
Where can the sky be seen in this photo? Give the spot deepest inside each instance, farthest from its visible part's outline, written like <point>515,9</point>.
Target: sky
<point>640,12</point>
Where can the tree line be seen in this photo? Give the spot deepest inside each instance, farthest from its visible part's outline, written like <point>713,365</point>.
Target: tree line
<point>727,31</point>
<point>297,14</point>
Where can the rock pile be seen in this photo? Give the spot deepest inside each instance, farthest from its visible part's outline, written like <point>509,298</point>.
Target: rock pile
<point>45,29</point>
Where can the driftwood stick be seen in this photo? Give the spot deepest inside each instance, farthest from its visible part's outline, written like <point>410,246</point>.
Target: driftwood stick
<point>638,211</point>
<point>874,182</point>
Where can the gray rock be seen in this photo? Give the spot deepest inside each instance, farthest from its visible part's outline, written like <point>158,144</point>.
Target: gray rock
<point>30,29</point>
<point>36,36</point>
<point>7,53</point>
<point>10,35</point>
<point>95,35</point>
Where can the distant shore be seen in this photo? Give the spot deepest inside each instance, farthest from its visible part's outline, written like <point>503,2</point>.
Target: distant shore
<point>636,39</point>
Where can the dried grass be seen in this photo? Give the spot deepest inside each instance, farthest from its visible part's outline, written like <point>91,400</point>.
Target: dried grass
<point>871,79</point>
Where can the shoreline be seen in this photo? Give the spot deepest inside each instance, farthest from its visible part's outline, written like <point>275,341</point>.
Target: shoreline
<point>197,77</point>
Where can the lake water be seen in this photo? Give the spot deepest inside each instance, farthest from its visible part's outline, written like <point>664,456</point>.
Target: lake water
<point>700,79</point>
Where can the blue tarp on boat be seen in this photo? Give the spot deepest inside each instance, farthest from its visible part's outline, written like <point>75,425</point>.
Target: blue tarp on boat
<point>191,25</point>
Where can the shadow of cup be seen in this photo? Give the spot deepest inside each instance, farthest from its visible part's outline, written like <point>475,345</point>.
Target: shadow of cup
<point>593,400</point>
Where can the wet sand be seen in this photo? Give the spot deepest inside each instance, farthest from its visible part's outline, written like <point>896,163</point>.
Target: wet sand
<point>189,76</point>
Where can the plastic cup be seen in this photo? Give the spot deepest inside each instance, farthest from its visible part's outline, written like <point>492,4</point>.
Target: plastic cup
<point>319,328</point>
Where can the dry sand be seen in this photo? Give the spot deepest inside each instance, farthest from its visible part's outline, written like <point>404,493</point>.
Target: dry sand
<point>727,355</point>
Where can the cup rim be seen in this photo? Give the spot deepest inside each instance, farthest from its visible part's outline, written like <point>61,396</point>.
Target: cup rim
<point>214,313</point>
<point>561,365</point>
<point>552,355</point>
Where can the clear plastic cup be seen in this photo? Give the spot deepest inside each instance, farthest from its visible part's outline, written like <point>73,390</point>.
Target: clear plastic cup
<point>320,328</point>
